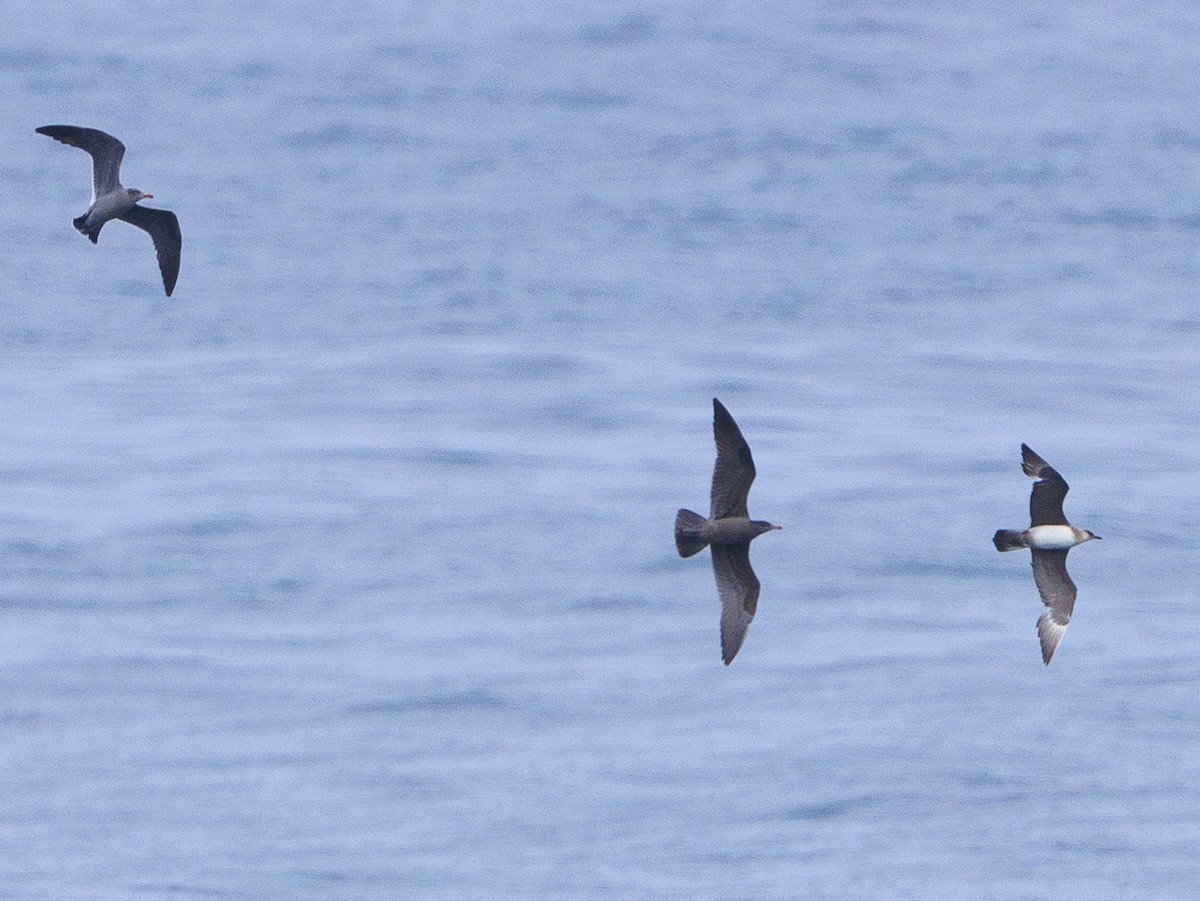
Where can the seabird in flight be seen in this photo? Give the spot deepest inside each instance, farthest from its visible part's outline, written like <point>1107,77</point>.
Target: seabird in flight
<point>112,201</point>
<point>728,530</point>
<point>1048,537</point>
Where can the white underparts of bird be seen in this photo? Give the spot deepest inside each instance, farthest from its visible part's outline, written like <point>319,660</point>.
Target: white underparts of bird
<point>110,200</point>
<point>728,531</point>
<point>1048,538</point>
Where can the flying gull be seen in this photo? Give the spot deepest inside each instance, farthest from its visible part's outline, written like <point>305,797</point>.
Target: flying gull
<point>112,201</point>
<point>1049,537</point>
<point>728,530</point>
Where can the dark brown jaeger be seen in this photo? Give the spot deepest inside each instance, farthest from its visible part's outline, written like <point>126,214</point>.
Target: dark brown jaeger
<point>728,530</point>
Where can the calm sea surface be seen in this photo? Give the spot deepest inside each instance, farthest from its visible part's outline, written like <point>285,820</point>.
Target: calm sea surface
<point>347,572</point>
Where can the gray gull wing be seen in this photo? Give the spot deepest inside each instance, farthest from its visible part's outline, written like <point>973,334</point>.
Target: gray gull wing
<point>163,227</point>
<point>107,153</point>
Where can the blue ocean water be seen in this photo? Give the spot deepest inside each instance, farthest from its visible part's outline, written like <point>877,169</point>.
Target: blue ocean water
<point>347,571</point>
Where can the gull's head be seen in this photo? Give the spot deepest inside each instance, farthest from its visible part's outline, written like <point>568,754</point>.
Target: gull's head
<point>764,526</point>
<point>135,194</point>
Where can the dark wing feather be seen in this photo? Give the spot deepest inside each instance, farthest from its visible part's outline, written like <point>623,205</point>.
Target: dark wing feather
<point>1046,501</point>
<point>734,472</point>
<point>107,153</point>
<point>163,227</point>
<point>1058,594</point>
<point>738,587</point>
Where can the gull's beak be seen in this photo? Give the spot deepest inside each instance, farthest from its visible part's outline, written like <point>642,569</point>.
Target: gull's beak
<point>776,528</point>
<point>149,195</point>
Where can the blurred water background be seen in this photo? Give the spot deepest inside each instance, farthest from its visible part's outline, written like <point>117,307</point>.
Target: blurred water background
<point>347,571</point>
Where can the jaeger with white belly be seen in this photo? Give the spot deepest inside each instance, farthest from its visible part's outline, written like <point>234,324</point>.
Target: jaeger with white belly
<point>1042,538</point>
<point>1048,537</point>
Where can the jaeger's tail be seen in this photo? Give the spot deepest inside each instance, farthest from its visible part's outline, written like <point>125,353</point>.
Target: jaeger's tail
<point>92,233</point>
<point>687,533</point>
<point>1009,540</point>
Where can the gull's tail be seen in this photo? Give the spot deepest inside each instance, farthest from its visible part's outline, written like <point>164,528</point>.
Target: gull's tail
<point>92,233</point>
<point>688,539</point>
<point>1009,540</point>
